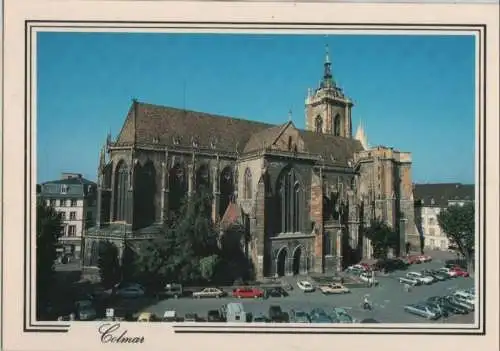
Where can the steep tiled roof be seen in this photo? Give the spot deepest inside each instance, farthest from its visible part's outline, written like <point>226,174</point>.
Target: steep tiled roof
<point>264,138</point>
<point>441,193</point>
<point>342,149</point>
<point>146,124</point>
<point>231,216</point>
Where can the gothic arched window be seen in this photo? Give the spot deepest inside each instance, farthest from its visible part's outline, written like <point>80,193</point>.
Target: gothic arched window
<point>290,201</point>
<point>247,184</point>
<point>318,124</point>
<point>121,189</point>
<point>336,125</point>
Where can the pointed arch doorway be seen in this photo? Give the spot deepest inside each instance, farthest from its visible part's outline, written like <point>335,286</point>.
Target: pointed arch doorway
<point>281,260</point>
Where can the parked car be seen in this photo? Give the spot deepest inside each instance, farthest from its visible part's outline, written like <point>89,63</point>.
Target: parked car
<point>460,272</point>
<point>450,272</point>
<point>409,281</point>
<point>447,305</point>
<point>439,276</point>
<point>460,302</point>
<point>368,278</point>
<point>170,316</point>
<point>85,311</point>
<point>299,317</point>
<point>235,313</point>
<point>462,295</point>
<point>356,269</point>
<point>422,310</point>
<point>130,291</point>
<point>275,292</point>
<point>369,320</point>
<point>333,288</point>
<point>215,316</point>
<point>147,317</point>
<point>172,290</point>
<point>276,314</point>
<point>418,276</point>
<point>424,258</point>
<point>437,308</point>
<point>390,265</point>
<point>305,286</point>
<point>209,292</point>
<point>318,315</point>
<point>261,319</point>
<point>413,260</point>
<point>253,293</point>
<point>191,317</point>
<point>341,315</point>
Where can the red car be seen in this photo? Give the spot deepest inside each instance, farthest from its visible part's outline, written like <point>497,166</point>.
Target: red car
<point>245,293</point>
<point>460,272</point>
<point>413,260</point>
<point>424,258</point>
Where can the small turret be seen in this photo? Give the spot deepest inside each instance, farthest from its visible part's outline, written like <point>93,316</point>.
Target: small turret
<point>361,136</point>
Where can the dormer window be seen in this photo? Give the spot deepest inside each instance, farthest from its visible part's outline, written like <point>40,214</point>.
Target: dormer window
<point>64,189</point>
<point>433,202</point>
<point>195,142</point>
<point>176,140</point>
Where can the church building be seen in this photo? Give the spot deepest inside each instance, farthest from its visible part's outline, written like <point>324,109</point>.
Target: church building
<point>303,197</point>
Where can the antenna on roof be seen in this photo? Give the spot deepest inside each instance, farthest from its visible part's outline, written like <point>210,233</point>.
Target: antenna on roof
<point>290,115</point>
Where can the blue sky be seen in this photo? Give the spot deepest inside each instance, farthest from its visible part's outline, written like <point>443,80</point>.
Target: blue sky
<point>414,93</point>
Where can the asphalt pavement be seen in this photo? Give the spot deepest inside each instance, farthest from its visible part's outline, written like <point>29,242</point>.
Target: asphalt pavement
<point>388,299</point>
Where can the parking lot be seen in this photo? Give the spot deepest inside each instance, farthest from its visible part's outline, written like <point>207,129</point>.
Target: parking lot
<point>388,299</point>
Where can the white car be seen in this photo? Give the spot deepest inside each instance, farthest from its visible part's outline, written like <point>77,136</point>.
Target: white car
<point>368,278</point>
<point>305,286</point>
<point>463,295</point>
<point>409,281</point>
<point>448,271</point>
<point>209,292</point>
<point>130,291</point>
<point>420,277</point>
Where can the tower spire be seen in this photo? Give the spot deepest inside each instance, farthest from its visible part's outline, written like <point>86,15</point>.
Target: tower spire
<point>328,81</point>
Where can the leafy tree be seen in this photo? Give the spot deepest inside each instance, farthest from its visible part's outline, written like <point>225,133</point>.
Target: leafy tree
<point>127,263</point>
<point>108,263</point>
<point>382,238</point>
<point>459,225</point>
<point>187,239</point>
<point>48,230</point>
<point>208,266</point>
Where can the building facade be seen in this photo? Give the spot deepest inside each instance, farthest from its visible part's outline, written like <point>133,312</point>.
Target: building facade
<point>302,196</point>
<point>75,199</point>
<point>430,200</point>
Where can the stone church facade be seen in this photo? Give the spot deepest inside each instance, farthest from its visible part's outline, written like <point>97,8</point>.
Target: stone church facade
<point>302,196</point>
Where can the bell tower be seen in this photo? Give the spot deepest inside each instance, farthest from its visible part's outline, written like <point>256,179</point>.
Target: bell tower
<point>327,109</point>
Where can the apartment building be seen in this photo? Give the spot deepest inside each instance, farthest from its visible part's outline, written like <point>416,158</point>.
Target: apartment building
<point>74,197</point>
<point>430,200</point>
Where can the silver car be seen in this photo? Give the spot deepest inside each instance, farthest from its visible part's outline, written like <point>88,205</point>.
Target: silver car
<point>422,310</point>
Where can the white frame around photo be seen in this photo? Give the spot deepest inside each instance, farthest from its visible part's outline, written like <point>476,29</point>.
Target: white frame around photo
<point>24,19</point>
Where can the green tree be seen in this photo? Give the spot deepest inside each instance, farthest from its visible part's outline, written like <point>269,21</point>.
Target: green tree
<point>48,230</point>
<point>382,238</point>
<point>176,254</point>
<point>208,267</point>
<point>108,263</point>
<point>458,223</point>
<point>128,263</point>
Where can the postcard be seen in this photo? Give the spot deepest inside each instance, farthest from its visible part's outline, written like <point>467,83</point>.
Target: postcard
<point>179,175</point>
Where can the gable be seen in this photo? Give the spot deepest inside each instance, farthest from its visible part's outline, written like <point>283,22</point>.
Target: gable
<point>289,139</point>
